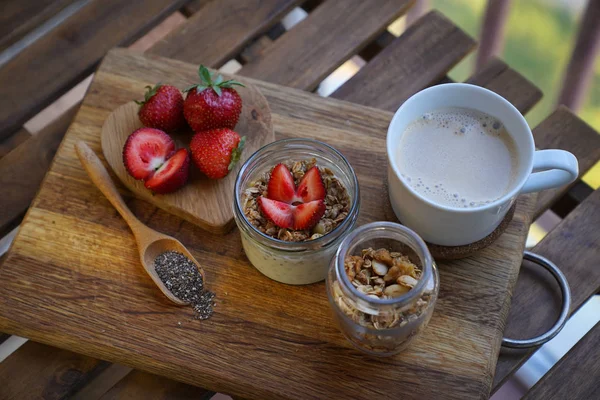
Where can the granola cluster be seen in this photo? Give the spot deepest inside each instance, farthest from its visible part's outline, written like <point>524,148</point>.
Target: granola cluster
<point>337,203</point>
<point>383,274</point>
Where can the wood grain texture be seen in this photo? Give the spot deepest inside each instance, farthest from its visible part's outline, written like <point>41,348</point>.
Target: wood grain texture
<point>256,49</point>
<point>150,243</point>
<point>508,83</point>
<point>265,340</point>
<point>102,382</point>
<point>144,386</point>
<point>330,35</point>
<point>564,130</point>
<point>244,20</point>
<point>574,246</point>
<point>47,68</point>
<point>24,168</point>
<point>576,376</point>
<point>194,6</point>
<point>201,200</point>
<point>37,371</point>
<point>20,17</point>
<point>13,141</point>
<point>421,56</point>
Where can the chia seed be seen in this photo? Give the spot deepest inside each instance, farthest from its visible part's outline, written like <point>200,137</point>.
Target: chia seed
<point>181,276</point>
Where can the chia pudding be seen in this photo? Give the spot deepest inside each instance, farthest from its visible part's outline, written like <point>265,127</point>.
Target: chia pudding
<point>294,208</point>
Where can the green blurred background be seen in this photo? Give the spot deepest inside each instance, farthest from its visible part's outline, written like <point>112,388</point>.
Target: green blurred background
<point>539,38</point>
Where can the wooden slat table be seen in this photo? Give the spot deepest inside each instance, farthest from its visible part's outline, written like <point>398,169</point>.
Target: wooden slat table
<point>44,70</point>
<point>473,303</point>
<point>573,245</point>
<point>57,364</point>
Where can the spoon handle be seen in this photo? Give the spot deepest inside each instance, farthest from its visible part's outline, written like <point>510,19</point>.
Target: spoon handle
<point>102,180</point>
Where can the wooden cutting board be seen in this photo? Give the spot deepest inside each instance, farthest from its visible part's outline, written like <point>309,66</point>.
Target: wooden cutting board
<point>73,279</point>
<point>201,200</point>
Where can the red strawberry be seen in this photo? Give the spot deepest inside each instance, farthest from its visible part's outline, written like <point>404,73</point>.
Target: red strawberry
<point>162,108</point>
<point>300,217</point>
<point>308,214</point>
<point>212,104</point>
<point>172,175</point>
<point>311,186</point>
<point>281,186</point>
<point>278,212</point>
<point>290,207</point>
<point>145,150</point>
<point>216,152</point>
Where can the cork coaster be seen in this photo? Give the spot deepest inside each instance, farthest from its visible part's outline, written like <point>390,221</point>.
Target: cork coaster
<point>455,252</point>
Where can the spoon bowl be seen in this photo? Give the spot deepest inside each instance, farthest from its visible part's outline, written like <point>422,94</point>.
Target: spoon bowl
<point>150,243</point>
<point>156,247</point>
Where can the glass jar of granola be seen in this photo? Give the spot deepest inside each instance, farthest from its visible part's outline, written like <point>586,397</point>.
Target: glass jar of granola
<point>295,256</point>
<point>382,286</point>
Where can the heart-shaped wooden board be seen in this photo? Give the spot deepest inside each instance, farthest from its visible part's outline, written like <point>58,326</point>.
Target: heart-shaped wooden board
<point>205,202</point>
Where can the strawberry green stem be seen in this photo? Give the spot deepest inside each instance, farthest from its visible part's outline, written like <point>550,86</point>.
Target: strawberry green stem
<point>150,91</point>
<point>206,82</point>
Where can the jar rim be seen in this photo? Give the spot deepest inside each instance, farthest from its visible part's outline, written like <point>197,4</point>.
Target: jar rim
<point>427,262</point>
<point>314,243</point>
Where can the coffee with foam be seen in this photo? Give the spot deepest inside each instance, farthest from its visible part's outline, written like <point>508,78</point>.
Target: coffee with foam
<point>458,157</point>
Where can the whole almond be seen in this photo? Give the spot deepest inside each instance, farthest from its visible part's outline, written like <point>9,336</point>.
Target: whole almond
<point>407,280</point>
<point>379,268</point>
<point>395,290</point>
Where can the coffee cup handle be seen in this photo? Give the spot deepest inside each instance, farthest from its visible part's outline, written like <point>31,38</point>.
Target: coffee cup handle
<point>551,169</point>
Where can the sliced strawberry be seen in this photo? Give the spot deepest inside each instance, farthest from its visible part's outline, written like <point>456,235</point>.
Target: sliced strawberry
<point>278,212</point>
<point>145,150</point>
<point>310,187</point>
<point>172,175</point>
<point>281,185</point>
<point>308,214</point>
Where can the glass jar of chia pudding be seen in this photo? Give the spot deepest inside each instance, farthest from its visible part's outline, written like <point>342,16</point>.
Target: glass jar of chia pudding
<point>287,256</point>
<point>382,287</point>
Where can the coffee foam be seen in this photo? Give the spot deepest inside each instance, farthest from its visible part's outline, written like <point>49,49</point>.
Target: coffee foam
<point>458,157</point>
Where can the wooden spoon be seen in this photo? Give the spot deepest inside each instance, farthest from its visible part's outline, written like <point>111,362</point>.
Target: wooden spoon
<point>150,242</point>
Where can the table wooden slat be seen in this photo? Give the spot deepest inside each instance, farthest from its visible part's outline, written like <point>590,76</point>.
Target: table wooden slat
<point>421,56</point>
<point>23,169</point>
<point>13,141</point>
<point>237,21</point>
<point>564,130</point>
<point>508,83</point>
<point>574,246</point>
<point>37,371</point>
<point>145,386</point>
<point>330,35</point>
<point>256,49</point>
<point>20,17</point>
<point>52,64</point>
<point>3,336</point>
<point>195,5</point>
<point>576,376</point>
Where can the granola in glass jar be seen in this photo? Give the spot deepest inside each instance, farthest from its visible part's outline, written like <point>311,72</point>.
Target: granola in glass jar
<point>382,286</point>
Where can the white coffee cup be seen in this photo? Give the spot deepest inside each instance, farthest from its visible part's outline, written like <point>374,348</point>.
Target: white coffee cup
<point>447,226</point>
